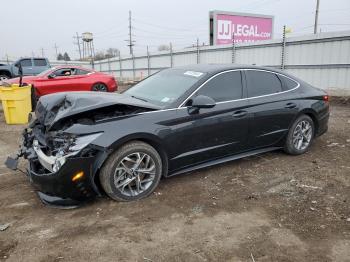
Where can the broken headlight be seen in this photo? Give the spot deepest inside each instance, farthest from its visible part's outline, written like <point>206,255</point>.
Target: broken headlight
<point>64,147</point>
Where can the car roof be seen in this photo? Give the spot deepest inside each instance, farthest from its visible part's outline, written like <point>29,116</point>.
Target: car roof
<point>215,68</point>
<point>72,66</point>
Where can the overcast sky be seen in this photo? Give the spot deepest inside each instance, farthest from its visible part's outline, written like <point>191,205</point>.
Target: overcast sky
<point>27,26</point>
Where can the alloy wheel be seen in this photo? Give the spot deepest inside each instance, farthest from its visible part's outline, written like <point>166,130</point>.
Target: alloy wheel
<point>99,88</point>
<point>302,135</point>
<point>134,174</point>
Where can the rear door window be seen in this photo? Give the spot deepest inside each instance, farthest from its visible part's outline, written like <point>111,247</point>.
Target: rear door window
<point>40,62</point>
<point>262,83</point>
<point>26,62</point>
<point>224,87</point>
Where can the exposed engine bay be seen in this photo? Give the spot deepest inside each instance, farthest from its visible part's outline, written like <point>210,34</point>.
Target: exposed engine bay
<point>46,141</point>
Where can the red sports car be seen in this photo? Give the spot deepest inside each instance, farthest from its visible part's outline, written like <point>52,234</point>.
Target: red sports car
<point>68,78</point>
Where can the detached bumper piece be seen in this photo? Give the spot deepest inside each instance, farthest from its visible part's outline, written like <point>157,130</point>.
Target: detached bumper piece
<point>64,188</point>
<point>57,202</point>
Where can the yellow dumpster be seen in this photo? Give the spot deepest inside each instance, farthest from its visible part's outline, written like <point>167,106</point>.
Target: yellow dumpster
<point>16,103</point>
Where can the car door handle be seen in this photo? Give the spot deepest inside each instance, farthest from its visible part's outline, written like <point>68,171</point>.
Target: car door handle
<point>239,113</point>
<point>290,105</point>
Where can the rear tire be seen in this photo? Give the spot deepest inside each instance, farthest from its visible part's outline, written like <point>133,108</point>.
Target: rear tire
<point>132,172</point>
<point>300,136</point>
<point>99,87</point>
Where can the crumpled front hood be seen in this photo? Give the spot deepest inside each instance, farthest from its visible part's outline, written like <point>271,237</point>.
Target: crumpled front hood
<point>54,107</point>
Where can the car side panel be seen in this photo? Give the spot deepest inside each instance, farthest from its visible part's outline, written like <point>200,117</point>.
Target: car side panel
<point>271,117</point>
<point>46,86</point>
<point>173,131</point>
<point>208,134</point>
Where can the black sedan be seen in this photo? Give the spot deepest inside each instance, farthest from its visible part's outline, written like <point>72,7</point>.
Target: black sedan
<point>85,144</point>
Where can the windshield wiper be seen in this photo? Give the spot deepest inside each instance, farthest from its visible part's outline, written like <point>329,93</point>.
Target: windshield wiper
<point>139,98</point>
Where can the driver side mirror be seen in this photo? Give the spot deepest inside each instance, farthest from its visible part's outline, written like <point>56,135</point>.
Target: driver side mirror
<point>51,76</point>
<point>201,102</point>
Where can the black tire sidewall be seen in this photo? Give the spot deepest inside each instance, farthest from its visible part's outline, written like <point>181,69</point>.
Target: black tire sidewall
<point>289,146</point>
<point>4,76</point>
<point>113,192</point>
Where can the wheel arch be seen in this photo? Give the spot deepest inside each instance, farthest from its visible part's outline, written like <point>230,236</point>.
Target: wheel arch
<point>313,115</point>
<point>98,82</point>
<point>6,73</point>
<point>150,139</point>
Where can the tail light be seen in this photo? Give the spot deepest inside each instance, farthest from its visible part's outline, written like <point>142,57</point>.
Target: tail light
<point>326,98</point>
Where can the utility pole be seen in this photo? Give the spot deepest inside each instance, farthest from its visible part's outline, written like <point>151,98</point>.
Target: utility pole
<point>42,52</point>
<point>283,53</point>
<point>93,54</point>
<point>316,16</point>
<point>171,54</point>
<point>77,37</point>
<point>198,51</point>
<point>56,48</point>
<point>148,63</point>
<point>131,42</point>
<point>233,48</point>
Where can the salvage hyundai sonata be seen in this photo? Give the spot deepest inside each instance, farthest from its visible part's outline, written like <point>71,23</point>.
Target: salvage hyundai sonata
<point>85,144</point>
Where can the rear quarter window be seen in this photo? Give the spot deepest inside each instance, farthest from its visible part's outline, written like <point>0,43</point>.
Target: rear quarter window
<point>81,72</point>
<point>288,83</point>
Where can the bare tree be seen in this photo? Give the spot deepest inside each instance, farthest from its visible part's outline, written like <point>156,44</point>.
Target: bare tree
<point>163,48</point>
<point>99,56</point>
<point>112,52</point>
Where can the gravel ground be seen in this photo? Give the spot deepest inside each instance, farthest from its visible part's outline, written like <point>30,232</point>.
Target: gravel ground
<point>271,207</point>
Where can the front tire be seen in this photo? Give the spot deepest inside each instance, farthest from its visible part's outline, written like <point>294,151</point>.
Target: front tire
<point>300,136</point>
<point>4,77</point>
<point>132,172</point>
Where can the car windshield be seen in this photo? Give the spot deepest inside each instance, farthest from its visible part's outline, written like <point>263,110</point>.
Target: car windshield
<point>165,87</point>
<point>47,71</point>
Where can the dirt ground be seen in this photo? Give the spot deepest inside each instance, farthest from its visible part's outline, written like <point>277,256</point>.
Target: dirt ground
<point>272,207</point>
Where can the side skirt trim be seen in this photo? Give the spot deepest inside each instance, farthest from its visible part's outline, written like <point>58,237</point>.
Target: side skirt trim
<point>223,160</point>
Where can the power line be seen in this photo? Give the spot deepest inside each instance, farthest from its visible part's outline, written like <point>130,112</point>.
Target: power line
<point>166,34</point>
<point>77,37</point>
<point>112,35</point>
<point>121,25</point>
<point>166,27</point>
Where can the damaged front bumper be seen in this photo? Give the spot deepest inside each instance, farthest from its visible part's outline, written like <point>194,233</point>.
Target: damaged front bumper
<point>64,181</point>
<point>60,188</point>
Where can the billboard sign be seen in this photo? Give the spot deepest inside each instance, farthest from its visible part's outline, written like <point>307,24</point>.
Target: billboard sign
<point>244,28</point>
